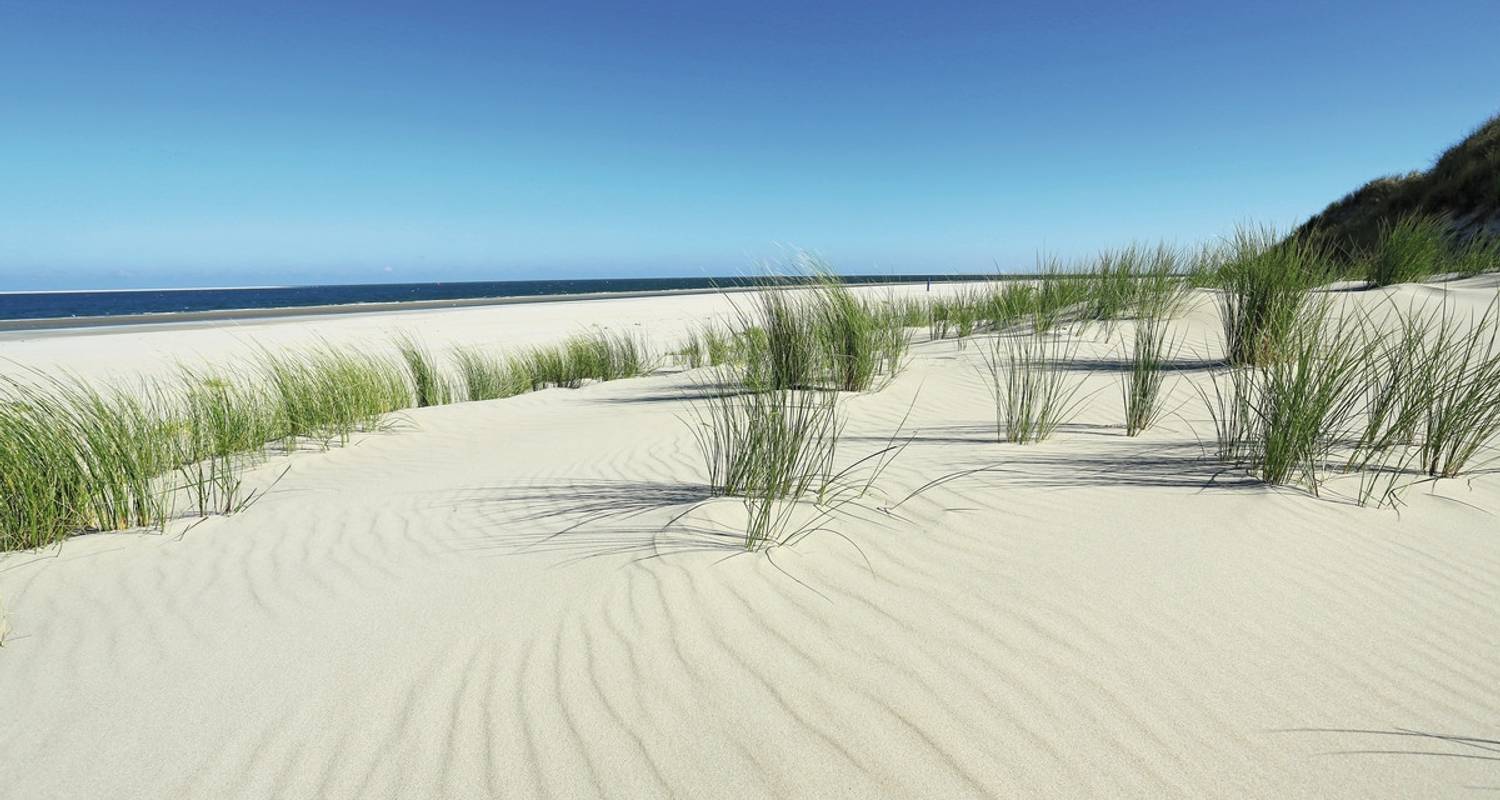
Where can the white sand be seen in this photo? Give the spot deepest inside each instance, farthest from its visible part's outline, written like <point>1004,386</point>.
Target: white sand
<point>484,605</point>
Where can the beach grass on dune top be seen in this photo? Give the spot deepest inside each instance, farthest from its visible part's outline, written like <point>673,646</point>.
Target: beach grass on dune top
<point>1418,397</point>
<point>1117,284</point>
<point>599,356</point>
<point>75,457</point>
<point>484,375</point>
<point>1032,383</point>
<point>777,449</point>
<point>430,386</point>
<point>811,331</point>
<point>1305,393</point>
<point>327,394</point>
<point>1458,384</point>
<point>224,422</point>
<point>1281,419</point>
<point>1408,250</point>
<point>1263,282</point>
<point>1149,361</point>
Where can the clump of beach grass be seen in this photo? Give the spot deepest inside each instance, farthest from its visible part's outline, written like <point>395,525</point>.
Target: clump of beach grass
<point>124,449</point>
<point>74,458</point>
<point>770,442</point>
<point>1135,281</point>
<point>1479,252</point>
<point>776,449</point>
<point>223,423</point>
<point>549,365</point>
<point>1408,250</point>
<point>817,334</point>
<point>1113,282</point>
<point>690,352</point>
<point>1305,401</point>
<point>597,355</point>
<point>430,386</point>
<point>1281,420</point>
<point>1032,382</point>
<point>768,445</point>
<point>328,394</point>
<point>1264,282</point>
<point>720,346</point>
<point>1059,292</point>
<point>1150,355</point>
<point>1162,286</point>
<point>859,341</point>
<point>483,375</point>
<point>783,343</point>
<point>1008,303</point>
<point>710,345</point>
<point>909,312</point>
<point>41,484</point>
<point>605,356</point>
<point>1459,380</point>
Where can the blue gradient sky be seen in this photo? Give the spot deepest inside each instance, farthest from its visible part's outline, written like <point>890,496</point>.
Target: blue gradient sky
<point>177,144</point>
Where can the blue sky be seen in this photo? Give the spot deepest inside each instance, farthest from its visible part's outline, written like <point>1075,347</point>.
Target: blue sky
<point>179,144</point>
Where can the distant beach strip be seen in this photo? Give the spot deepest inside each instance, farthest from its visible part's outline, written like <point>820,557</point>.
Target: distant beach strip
<point>21,311</point>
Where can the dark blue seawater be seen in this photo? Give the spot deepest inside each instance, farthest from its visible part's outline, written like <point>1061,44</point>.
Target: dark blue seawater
<point>54,305</point>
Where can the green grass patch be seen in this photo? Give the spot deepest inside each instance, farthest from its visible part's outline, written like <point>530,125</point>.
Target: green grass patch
<point>1263,282</point>
<point>1409,249</point>
<point>1033,385</point>
<point>430,386</point>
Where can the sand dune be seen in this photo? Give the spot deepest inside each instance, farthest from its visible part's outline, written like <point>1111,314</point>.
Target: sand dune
<point>485,603</point>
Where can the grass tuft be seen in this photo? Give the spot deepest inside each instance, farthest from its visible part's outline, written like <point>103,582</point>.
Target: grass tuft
<point>1032,384</point>
<point>1264,282</point>
<point>1141,387</point>
<point>484,376</point>
<point>430,386</point>
<point>1408,250</point>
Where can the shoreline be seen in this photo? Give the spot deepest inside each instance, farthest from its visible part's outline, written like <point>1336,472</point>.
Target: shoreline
<point>103,323</point>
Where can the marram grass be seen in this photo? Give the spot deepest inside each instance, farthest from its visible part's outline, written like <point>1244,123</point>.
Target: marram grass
<point>1408,250</point>
<point>76,457</point>
<point>1417,399</point>
<point>1148,364</point>
<point>1033,385</point>
<point>777,450</point>
<point>430,386</point>
<point>819,336</point>
<point>1263,281</point>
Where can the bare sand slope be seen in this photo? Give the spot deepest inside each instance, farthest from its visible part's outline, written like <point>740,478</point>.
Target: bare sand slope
<point>485,604</point>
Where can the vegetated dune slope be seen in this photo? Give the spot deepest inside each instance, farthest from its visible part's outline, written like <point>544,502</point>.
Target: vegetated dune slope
<point>1462,186</point>
<point>485,604</point>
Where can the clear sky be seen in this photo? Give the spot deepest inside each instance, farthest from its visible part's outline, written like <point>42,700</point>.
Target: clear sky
<point>216,143</point>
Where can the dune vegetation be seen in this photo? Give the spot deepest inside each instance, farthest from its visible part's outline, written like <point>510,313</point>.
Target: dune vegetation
<point>75,457</point>
<point>1305,391</point>
<point>1460,193</point>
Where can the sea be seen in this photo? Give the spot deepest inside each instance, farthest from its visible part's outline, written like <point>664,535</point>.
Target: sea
<point>56,305</point>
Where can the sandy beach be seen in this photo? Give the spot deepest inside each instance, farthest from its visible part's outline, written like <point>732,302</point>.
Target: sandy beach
<point>488,601</point>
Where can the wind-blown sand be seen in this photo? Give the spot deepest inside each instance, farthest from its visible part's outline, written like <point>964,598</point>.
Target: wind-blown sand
<point>483,604</point>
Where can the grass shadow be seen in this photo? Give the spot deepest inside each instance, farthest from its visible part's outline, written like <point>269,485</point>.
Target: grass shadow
<point>591,518</point>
